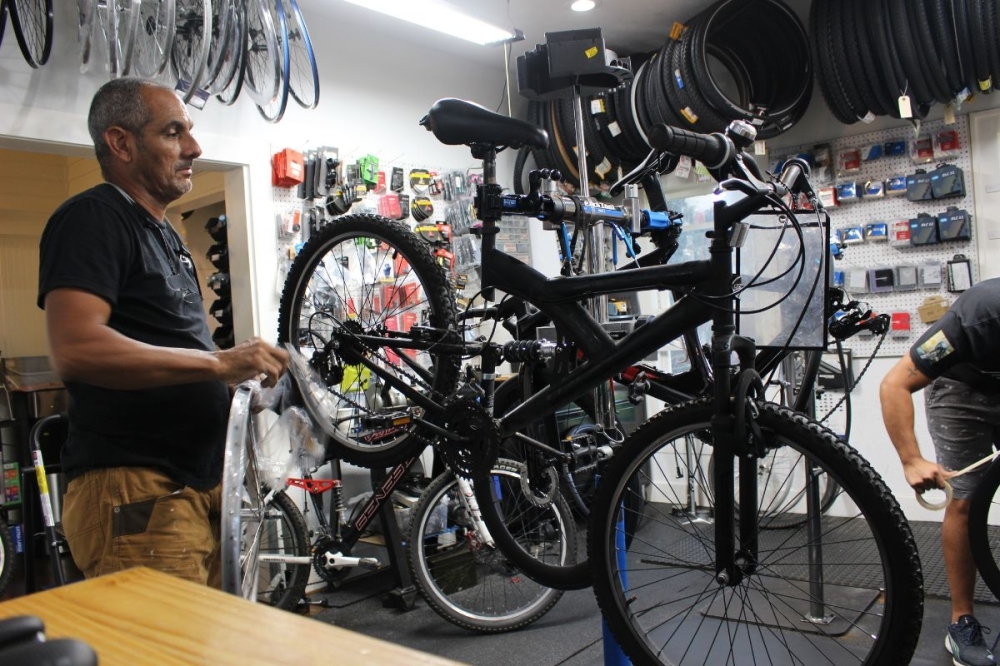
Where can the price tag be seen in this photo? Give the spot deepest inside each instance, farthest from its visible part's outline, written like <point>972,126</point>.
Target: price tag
<point>683,169</point>
<point>904,107</point>
<point>949,114</point>
<point>760,148</point>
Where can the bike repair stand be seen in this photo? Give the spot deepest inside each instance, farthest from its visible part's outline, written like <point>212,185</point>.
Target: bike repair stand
<point>570,64</point>
<point>404,595</point>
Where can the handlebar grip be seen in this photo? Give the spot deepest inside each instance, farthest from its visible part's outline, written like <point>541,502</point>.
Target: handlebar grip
<point>713,150</point>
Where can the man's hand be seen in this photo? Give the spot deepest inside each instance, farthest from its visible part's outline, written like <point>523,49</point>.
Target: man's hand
<point>250,360</point>
<point>924,475</point>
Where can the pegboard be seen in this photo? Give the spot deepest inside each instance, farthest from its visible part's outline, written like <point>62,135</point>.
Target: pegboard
<point>877,254</point>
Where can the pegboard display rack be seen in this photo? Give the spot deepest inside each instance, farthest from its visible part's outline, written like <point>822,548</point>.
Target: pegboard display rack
<point>877,254</point>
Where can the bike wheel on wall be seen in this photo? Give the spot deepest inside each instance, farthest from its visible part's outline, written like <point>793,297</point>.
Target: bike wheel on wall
<point>263,57</point>
<point>850,590</point>
<point>31,21</point>
<point>3,19</point>
<point>354,294</point>
<point>154,37</point>
<point>303,75</point>
<point>223,17</point>
<point>464,580</point>
<point>274,109</point>
<point>261,528</point>
<point>123,26</point>
<point>192,39</point>
<point>232,56</point>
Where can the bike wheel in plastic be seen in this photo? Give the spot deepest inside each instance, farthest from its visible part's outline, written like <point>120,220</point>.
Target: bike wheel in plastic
<point>154,37</point>
<point>261,529</point>
<point>354,300</point>
<point>850,590</point>
<point>465,581</point>
<point>31,21</point>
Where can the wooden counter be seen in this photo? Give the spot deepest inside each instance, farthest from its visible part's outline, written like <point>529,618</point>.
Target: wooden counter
<point>141,616</point>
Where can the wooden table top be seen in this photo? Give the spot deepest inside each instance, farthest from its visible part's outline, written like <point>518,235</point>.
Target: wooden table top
<point>142,616</point>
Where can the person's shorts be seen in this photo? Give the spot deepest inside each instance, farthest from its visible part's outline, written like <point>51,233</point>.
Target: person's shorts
<point>965,425</point>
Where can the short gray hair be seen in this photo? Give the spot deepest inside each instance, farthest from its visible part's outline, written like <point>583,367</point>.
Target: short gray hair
<point>118,103</point>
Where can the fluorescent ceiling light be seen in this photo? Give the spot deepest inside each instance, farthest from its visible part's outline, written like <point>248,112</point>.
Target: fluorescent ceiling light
<point>439,16</point>
<point>583,5</point>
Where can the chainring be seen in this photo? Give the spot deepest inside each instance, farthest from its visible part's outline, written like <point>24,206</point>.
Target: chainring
<point>467,419</point>
<point>323,546</point>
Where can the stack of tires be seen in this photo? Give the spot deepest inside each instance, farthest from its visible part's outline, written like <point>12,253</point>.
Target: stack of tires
<point>737,60</point>
<point>899,57</point>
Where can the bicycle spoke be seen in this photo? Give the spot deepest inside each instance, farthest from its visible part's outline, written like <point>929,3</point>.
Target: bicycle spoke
<point>303,75</point>
<point>154,37</point>
<point>31,21</point>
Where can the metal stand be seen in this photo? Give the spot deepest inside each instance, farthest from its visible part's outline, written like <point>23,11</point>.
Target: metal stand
<point>404,595</point>
<point>692,512</point>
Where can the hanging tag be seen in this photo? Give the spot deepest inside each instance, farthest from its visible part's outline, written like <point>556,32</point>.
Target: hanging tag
<point>904,107</point>
<point>596,106</point>
<point>683,169</point>
<point>760,148</point>
<point>868,118</point>
<point>949,114</point>
<point>677,30</point>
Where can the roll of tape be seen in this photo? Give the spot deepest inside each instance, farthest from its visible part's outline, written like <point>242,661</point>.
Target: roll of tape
<point>936,507</point>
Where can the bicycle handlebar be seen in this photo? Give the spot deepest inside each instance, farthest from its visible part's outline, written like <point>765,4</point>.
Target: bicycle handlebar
<point>713,150</point>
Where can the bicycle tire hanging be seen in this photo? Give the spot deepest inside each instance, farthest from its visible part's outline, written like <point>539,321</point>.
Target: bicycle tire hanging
<point>721,67</point>
<point>899,58</point>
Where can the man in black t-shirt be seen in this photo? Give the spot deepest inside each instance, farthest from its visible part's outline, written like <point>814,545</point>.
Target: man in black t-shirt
<point>128,335</point>
<point>958,360</point>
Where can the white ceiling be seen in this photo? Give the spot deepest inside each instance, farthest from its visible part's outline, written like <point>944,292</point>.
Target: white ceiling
<point>628,26</point>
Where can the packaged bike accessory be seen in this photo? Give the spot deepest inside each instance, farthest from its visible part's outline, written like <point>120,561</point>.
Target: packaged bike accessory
<point>947,180</point>
<point>871,152</point>
<point>849,161</point>
<point>853,235</point>
<point>959,273</point>
<point>881,279</point>
<point>420,180</point>
<point>877,232</point>
<point>906,277</point>
<point>380,183</point>
<point>894,148</point>
<point>954,224</point>
<point>933,308</point>
<point>923,230</point>
<point>422,209</point>
<point>946,144</point>
<point>388,206</point>
<point>874,189</point>
<point>899,233</point>
<point>396,183</point>
<point>930,275</point>
<point>828,197</point>
<point>895,186</point>
<point>922,150</point>
<point>404,206</point>
<point>918,186</point>
<point>900,327</point>
<point>848,192</point>
<point>857,281</point>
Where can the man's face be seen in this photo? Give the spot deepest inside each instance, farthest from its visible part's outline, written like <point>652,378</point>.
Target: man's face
<point>166,148</point>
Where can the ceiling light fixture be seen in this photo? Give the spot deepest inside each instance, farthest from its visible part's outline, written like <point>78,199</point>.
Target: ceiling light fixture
<point>583,5</point>
<point>442,17</point>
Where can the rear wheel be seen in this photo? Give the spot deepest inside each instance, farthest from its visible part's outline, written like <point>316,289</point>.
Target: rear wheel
<point>984,535</point>
<point>849,591</point>
<point>465,581</point>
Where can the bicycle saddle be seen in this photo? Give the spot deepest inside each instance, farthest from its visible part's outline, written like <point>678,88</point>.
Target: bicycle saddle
<point>457,122</point>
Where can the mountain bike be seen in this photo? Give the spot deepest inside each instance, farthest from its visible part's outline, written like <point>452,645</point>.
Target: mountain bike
<point>375,316</point>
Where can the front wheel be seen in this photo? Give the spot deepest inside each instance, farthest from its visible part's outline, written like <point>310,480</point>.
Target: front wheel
<point>465,581</point>
<point>848,590</point>
<point>984,513</point>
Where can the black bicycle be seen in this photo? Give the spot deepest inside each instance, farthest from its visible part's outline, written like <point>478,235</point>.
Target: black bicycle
<point>374,313</point>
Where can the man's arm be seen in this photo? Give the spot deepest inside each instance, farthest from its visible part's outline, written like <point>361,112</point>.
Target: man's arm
<point>896,393</point>
<point>85,349</point>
